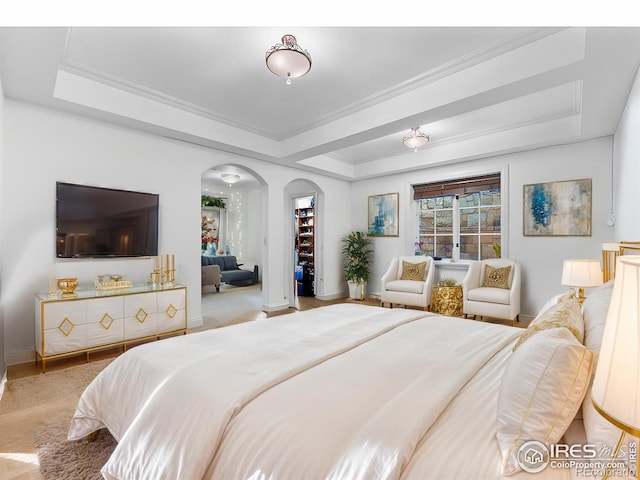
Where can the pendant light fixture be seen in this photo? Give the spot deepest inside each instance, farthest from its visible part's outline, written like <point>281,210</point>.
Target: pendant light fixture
<point>287,59</point>
<point>230,178</point>
<point>416,139</point>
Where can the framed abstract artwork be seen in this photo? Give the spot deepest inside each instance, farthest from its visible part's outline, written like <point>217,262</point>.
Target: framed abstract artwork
<point>558,208</point>
<point>383,215</point>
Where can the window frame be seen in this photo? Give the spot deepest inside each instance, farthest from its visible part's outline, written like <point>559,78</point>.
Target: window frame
<point>504,209</point>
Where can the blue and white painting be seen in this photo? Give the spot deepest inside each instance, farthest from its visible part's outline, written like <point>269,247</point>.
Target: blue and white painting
<point>383,215</point>
<point>558,208</point>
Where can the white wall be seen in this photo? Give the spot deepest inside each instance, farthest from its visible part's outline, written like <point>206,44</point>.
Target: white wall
<point>2,359</point>
<point>42,146</point>
<point>541,257</point>
<point>626,155</point>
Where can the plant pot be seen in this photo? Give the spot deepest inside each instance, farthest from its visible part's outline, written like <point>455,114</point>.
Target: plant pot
<point>357,290</point>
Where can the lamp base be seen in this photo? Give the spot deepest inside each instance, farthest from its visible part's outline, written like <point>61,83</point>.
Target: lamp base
<point>580,296</point>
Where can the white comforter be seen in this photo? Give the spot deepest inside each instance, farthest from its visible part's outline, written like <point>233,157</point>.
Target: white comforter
<point>345,391</point>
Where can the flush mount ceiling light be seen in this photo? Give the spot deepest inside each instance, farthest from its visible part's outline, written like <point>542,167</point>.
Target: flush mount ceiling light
<point>230,177</point>
<point>287,59</point>
<point>416,139</point>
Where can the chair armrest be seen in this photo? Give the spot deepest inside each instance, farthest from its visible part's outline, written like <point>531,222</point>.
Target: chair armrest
<point>472,278</point>
<point>514,294</point>
<point>390,274</point>
<point>211,275</point>
<point>429,280</point>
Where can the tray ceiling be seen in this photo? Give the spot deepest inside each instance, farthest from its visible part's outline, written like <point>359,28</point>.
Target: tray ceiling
<point>476,91</point>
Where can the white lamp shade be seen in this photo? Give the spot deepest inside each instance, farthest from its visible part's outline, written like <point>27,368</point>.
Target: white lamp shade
<point>288,59</point>
<point>288,63</point>
<point>616,386</point>
<point>581,273</point>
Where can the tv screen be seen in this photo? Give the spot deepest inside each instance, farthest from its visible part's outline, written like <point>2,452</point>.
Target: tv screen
<point>104,222</point>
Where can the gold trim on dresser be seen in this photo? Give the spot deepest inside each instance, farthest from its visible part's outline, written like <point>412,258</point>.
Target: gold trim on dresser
<point>102,321</point>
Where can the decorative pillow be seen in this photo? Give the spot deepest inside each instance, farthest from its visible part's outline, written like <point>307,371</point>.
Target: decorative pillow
<point>230,263</point>
<point>542,388</point>
<point>496,277</point>
<point>561,297</point>
<point>413,271</point>
<point>565,314</point>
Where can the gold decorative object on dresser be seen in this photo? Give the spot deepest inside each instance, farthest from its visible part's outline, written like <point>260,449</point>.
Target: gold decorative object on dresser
<point>447,298</point>
<point>68,286</point>
<point>94,320</point>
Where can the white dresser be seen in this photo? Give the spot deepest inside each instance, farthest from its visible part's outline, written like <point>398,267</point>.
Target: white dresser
<point>95,320</point>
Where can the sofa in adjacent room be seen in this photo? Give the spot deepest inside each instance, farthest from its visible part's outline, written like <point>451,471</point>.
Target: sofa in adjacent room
<point>230,271</point>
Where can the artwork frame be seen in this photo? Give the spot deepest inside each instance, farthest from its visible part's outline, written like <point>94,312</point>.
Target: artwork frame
<point>561,208</point>
<point>383,215</point>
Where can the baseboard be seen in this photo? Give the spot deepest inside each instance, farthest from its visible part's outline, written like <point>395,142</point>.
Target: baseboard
<point>20,357</point>
<point>274,307</point>
<point>2,382</point>
<point>332,296</point>
<point>195,322</point>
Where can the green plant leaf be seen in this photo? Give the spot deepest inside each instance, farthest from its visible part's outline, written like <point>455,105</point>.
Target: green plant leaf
<point>357,253</point>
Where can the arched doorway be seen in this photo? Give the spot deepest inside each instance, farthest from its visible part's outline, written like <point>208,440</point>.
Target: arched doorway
<point>304,205</point>
<point>232,211</point>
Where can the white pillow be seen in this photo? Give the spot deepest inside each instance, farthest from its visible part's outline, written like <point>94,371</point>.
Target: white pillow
<point>599,431</point>
<point>594,312</point>
<point>542,389</point>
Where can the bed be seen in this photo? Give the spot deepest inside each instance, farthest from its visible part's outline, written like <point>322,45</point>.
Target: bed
<point>346,391</point>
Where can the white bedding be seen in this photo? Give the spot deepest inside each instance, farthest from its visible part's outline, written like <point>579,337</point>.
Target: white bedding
<point>345,391</point>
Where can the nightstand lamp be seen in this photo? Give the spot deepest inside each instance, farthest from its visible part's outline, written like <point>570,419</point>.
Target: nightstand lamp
<point>581,274</point>
<point>616,385</point>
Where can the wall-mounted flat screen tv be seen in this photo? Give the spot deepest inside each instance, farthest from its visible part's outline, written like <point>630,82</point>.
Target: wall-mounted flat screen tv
<point>103,222</point>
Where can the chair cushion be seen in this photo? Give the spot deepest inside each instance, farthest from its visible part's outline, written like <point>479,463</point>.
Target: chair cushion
<point>230,263</point>
<point>489,295</point>
<point>409,286</point>
<point>216,261</point>
<point>413,271</point>
<point>496,277</point>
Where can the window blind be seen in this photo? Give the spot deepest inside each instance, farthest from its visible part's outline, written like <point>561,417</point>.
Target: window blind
<point>458,186</point>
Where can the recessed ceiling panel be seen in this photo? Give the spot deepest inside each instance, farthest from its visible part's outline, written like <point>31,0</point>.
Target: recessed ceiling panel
<point>222,71</point>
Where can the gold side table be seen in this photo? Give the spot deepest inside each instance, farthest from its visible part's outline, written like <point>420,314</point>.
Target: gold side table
<point>447,300</point>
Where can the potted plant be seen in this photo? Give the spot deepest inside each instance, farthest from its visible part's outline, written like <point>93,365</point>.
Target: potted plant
<point>357,255</point>
<point>208,201</point>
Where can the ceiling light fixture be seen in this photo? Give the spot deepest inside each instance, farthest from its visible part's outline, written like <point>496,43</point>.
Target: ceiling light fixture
<point>230,177</point>
<point>416,139</point>
<point>288,59</point>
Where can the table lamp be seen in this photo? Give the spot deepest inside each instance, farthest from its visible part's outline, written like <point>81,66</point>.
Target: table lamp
<point>616,386</point>
<point>581,274</point>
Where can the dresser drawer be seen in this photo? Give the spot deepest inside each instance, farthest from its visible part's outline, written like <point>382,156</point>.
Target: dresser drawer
<point>56,312</point>
<point>105,332</point>
<point>98,308</point>
<point>140,326</point>
<point>67,338</point>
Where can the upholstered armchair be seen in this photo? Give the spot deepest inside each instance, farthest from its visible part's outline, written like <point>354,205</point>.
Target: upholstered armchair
<point>211,277</point>
<point>408,281</point>
<point>490,290</point>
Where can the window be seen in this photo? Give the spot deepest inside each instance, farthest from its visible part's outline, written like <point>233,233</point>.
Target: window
<point>464,213</point>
